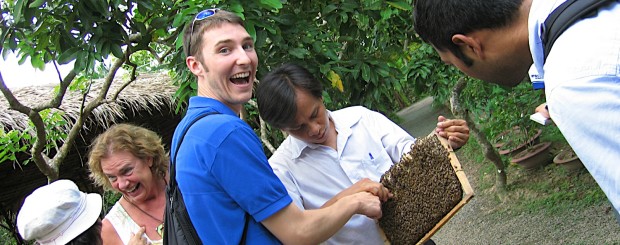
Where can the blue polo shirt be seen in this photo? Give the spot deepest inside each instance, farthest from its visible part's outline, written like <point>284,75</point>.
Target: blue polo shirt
<point>223,173</point>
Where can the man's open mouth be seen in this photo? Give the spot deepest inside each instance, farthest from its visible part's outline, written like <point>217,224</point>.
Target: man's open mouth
<point>240,78</point>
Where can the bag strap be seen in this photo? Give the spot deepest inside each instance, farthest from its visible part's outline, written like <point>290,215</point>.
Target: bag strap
<point>173,180</point>
<point>564,16</point>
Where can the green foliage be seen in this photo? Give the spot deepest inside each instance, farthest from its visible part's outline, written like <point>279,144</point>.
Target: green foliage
<point>53,121</point>
<point>12,143</point>
<point>498,109</point>
<point>6,237</point>
<point>82,31</point>
<point>88,33</point>
<point>109,199</point>
<point>427,75</point>
<point>359,42</point>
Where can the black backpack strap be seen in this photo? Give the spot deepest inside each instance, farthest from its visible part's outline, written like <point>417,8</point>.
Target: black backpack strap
<point>564,16</point>
<point>173,180</point>
<point>176,213</point>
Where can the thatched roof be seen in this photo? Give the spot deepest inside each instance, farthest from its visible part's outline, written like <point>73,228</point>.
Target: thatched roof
<point>148,102</point>
<point>150,92</point>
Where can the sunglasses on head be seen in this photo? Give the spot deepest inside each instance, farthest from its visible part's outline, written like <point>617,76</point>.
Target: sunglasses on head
<point>199,16</point>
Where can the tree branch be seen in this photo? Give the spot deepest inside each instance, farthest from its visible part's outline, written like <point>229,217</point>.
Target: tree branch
<point>87,110</point>
<point>489,151</point>
<point>263,130</point>
<point>36,151</point>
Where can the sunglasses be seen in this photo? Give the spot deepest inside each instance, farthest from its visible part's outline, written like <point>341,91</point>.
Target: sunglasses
<point>200,16</point>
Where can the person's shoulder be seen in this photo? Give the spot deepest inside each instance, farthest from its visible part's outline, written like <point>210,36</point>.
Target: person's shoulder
<point>355,108</point>
<point>358,109</point>
<point>109,234</point>
<point>220,121</point>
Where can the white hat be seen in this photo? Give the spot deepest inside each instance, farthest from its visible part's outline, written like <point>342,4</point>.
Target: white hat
<point>57,213</point>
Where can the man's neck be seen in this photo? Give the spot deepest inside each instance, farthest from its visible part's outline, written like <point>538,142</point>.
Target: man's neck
<point>332,141</point>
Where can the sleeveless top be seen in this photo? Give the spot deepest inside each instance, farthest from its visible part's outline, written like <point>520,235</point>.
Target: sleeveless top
<point>124,225</point>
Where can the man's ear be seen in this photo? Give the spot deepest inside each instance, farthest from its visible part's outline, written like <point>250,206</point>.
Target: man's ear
<point>470,45</point>
<point>194,65</point>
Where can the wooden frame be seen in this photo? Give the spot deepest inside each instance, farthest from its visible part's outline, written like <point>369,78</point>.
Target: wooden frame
<point>468,192</point>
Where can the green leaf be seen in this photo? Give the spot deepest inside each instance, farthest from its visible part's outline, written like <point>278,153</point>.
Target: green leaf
<point>37,62</point>
<point>68,56</point>
<point>36,4</point>
<point>299,53</point>
<point>159,22</point>
<point>80,61</point>
<point>402,5</point>
<point>179,19</point>
<point>17,10</point>
<point>365,72</point>
<point>146,4</point>
<point>116,50</point>
<point>105,49</point>
<point>276,4</point>
<point>329,8</point>
<point>249,26</point>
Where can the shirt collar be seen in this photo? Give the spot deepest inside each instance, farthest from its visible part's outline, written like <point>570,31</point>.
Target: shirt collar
<point>200,103</point>
<point>539,11</point>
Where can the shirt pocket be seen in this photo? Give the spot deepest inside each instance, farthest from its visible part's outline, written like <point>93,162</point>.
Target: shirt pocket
<point>376,165</point>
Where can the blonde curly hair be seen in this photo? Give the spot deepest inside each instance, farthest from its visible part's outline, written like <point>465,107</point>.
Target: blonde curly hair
<point>139,141</point>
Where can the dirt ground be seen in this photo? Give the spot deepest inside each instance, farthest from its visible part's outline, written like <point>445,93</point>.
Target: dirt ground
<point>480,222</point>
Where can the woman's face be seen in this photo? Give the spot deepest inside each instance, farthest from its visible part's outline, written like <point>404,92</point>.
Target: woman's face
<point>130,175</point>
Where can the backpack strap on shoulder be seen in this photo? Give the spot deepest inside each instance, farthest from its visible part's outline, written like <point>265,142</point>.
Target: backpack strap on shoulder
<point>173,180</point>
<point>564,16</point>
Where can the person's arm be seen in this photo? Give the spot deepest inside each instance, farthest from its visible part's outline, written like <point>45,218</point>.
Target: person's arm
<point>455,130</point>
<point>109,234</point>
<point>294,226</point>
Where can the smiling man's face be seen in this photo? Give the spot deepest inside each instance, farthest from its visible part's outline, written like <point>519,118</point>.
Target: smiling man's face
<point>229,64</point>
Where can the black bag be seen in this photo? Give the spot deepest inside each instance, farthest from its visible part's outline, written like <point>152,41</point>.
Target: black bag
<point>178,228</point>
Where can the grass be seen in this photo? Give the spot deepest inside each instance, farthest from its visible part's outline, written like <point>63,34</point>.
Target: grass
<point>550,190</point>
<point>6,238</point>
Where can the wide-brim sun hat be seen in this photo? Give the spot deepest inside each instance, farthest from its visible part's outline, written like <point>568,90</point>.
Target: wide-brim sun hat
<point>57,213</point>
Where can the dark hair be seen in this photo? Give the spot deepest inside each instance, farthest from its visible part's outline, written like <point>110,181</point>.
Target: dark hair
<point>92,236</point>
<point>436,21</point>
<point>200,26</point>
<point>276,95</point>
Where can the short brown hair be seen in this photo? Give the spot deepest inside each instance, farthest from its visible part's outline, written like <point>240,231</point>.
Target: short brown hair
<point>200,26</point>
<point>139,141</point>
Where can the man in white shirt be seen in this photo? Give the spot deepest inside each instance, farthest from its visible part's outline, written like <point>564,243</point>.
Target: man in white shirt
<point>499,41</point>
<point>329,155</point>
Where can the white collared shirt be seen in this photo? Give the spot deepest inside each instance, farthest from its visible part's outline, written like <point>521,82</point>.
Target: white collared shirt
<point>368,144</point>
<point>582,88</point>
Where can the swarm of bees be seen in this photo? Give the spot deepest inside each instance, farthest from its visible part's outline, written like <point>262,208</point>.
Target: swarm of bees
<point>425,189</point>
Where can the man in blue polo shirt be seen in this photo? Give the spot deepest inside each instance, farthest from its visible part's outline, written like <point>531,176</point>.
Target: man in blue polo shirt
<point>221,169</point>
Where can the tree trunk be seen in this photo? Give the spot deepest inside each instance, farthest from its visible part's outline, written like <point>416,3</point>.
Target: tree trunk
<point>489,151</point>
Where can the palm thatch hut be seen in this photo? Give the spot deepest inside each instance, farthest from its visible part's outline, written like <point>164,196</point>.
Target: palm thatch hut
<point>147,101</point>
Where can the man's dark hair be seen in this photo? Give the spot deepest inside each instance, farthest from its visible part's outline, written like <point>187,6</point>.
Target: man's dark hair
<point>436,21</point>
<point>276,95</point>
<point>92,236</point>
